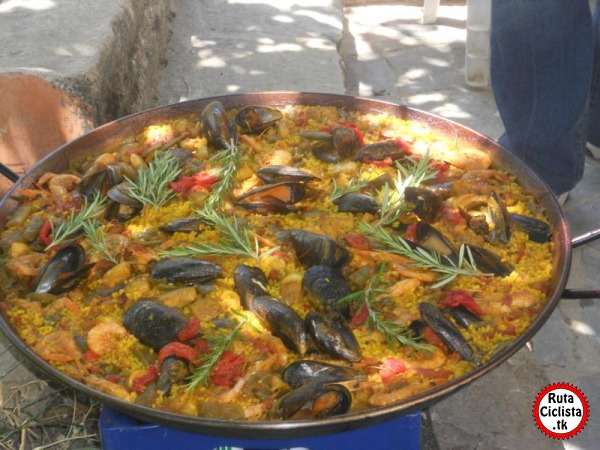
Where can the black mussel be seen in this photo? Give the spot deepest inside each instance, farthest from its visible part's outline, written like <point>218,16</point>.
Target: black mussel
<point>185,225</point>
<point>488,262</point>
<point>426,204</point>
<point>120,212</point>
<point>116,173</point>
<point>447,331</point>
<point>120,194</point>
<point>181,155</point>
<point>345,141</point>
<point>329,286</point>
<point>256,119</point>
<point>216,127</point>
<point>305,370</point>
<point>357,202</point>
<point>417,327</point>
<point>393,149</point>
<point>500,228</point>
<point>278,174</point>
<point>285,192</point>
<point>172,371</point>
<point>282,321</point>
<point>154,324</point>
<point>430,238</point>
<point>324,151</point>
<point>249,283</point>
<point>463,316</point>
<point>331,400</point>
<point>93,185</point>
<point>292,402</point>
<point>63,271</point>
<point>536,230</point>
<point>314,249</point>
<point>333,336</point>
<point>443,190</point>
<point>185,270</point>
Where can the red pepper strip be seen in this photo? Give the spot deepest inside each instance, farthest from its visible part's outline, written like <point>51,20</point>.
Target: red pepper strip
<point>390,368</point>
<point>227,369</point>
<point>190,331</point>
<point>360,317</point>
<point>140,383</point>
<point>430,336</point>
<point>452,216</point>
<point>405,145</point>
<point>200,180</point>
<point>456,298</point>
<point>358,241</point>
<point>113,378</point>
<point>45,232</point>
<point>177,349</point>
<point>411,232</point>
<point>90,356</point>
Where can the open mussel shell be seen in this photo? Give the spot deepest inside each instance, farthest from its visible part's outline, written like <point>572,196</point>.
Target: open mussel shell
<point>93,185</point>
<point>314,249</point>
<point>488,262</point>
<point>447,331</point>
<point>216,127</point>
<point>324,151</point>
<point>379,151</point>
<point>356,202</point>
<point>63,271</point>
<point>345,141</point>
<point>172,371</point>
<point>256,119</point>
<point>333,336</point>
<point>288,192</point>
<point>536,230</point>
<point>430,238</point>
<point>249,283</point>
<point>278,174</point>
<point>303,371</point>
<point>282,321</point>
<point>463,316</point>
<point>185,270</point>
<point>120,212</point>
<point>153,323</point>
<point>314,399</point>
<point>329,286</point>
<point>331,400</point>
<point>120,194</point>
<point>426,204</point>
<point>500,226</point>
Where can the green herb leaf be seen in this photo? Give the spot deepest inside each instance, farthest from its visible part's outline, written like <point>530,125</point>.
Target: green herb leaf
<point>66,231</point>
<point>229,159</point>
<point>152,184</point>
<point>93,232</point>
<point>353,185</point>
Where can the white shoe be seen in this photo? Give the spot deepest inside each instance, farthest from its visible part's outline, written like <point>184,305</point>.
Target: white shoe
<point>595,151</point>
<point>562,198</point>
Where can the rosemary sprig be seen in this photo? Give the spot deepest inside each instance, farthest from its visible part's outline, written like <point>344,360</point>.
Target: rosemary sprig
<point>393,204</point>
<point>218,346</point>
<point>152,183</point>
<point>229,159</point>
<point>392,331</point>
<point>69,227</point>
<point>94,233</point>
<point>232,241</point>
<point>353,185</point>
<point>422,258</point>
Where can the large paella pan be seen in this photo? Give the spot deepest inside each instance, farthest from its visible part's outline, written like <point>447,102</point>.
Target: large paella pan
<point>278,264</point>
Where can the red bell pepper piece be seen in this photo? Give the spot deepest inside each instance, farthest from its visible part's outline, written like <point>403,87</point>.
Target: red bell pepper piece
<point>411,232</point>
<point>456,298</point>
<point>177,349</point>
<point>45,232</point>
<point>358,241</point>
<point>360,317</point>
<point>190,331</point>
<point>200,180</point>
<point>140,383</point>
<point>227,369</point>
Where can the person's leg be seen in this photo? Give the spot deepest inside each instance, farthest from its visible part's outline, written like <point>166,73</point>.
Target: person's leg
<point>594,118</point>
<point>541,68</point>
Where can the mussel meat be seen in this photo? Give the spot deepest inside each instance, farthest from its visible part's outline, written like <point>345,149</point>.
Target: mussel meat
<point>185,270</point>
<point>426,204</point>
<point>278,174</point>
<point>273,197</point>
<point>314,398</point>
<point>393,149</point>
<point>154,324</point>
<point>172,371</point>
<point>303,371</point>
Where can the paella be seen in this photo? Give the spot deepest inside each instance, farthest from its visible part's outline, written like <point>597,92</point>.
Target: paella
<point>274,263</point>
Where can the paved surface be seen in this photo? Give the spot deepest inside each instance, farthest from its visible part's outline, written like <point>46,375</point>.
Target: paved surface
<point>382,51</point>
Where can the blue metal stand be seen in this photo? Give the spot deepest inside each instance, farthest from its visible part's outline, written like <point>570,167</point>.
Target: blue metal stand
<point>120,432</point>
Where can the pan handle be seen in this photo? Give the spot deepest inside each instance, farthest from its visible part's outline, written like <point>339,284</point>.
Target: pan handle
<point>576,294</point>
<point>5,171</point>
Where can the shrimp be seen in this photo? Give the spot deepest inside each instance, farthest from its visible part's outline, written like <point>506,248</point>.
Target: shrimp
<point>26,265</point>
<point>59,346</point>
<point>104,337</point>
<point>501,303</point>
<point>402,287</point>
<point>277,158</point>
<point>480,182</point>
<point>105,159</point>
<point>464,158</point>
<point>60,185</point>
<point>114,389</point>
<point>385,398</point>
